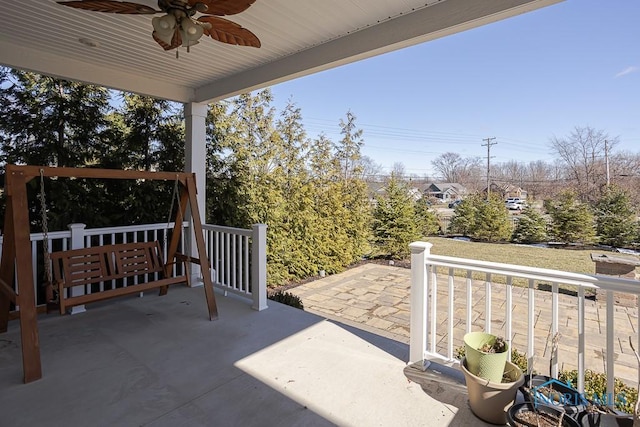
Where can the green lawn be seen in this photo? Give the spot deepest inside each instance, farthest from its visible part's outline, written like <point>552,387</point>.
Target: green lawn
<point>573,260</point>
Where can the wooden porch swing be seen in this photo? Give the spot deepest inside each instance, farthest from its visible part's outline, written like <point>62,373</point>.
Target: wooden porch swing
<point>107,262</point>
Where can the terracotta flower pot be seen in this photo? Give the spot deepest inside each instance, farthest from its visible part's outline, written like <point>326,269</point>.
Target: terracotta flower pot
<point>490,400</point>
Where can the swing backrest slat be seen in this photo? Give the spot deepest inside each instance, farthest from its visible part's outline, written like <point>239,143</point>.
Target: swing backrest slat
<point>104,264</point>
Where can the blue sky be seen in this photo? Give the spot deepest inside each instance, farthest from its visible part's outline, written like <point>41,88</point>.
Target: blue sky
<point>522,80</point>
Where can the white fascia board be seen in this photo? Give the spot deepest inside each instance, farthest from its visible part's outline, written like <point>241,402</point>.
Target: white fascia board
<point>38,61</point>
<point>429,23</point>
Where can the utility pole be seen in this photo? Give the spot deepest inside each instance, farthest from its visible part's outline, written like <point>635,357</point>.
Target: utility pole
<point>606,159</point>
<point>488,144</point>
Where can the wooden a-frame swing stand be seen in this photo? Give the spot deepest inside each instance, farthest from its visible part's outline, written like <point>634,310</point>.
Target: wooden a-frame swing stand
<point>17,257</point>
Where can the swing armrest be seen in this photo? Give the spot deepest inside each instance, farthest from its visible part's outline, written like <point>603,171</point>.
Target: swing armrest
<point>187,258</point>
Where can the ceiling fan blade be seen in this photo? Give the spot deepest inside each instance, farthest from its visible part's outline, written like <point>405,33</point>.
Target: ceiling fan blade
<point>111,6</point>
<point>223,7</point>
<point>229,32</point>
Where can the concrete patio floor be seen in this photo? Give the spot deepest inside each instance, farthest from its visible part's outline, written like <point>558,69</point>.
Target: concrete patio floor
<point>159,361</point>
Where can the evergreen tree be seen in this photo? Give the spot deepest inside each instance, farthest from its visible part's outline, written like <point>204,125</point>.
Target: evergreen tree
<point>226,174</point>
<point>329,238</point>
<point>152,127</point>
<point>58,123</point>
<point>531,227</point>
<point>616,222</point>
<point>257,154</point>
<point>482,219</point>
<point>491,220</point>
<point>464,214</point>
<point>297,225</point>
<point>572,220</point>
<point>356,221</point>
<point>394,220</point>
<point>426,219</point>
<point>51,122</point>
<point>146,134</point>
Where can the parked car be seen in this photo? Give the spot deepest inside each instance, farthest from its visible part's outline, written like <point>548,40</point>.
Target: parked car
<point>514,199</point>
<point>455,203</point>
<point>515,205</point>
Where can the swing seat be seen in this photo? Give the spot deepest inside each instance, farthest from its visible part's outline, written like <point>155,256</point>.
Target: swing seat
<point>109,271</point>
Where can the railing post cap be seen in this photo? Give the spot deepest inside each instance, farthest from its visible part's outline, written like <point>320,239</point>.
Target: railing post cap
<point>76,225</point>
<point>417,247</point>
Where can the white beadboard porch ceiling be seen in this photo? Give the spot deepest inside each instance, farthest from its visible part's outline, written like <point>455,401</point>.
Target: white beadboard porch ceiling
<point>299,37</point>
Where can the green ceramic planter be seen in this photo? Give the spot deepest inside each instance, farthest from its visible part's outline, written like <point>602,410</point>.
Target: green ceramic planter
<point>484,365</point>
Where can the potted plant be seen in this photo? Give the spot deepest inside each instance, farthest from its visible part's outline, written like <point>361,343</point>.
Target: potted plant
<point>486,355</point>
<point>529,414</point>
<point>542,389</point>
<point>556,403</point>
<point>489,400</point>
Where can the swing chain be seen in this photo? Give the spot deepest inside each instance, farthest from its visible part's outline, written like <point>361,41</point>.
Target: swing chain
<point>173,199</point>
<point>45,231</point>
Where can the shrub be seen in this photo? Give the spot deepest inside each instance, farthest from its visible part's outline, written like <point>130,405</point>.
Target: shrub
<point>572,220</point>
<point>394,220</point>
<point>482,219</point>
<point>595,388</point>
<point>531,227</point>
<point>616,222</point>
<point>426,219</point>
<point>463,217</point>
<point>491,221</point>
<point>287,298</point>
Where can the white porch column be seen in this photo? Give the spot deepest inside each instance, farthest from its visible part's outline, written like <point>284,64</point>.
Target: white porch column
<point>418,301</point>
<point>77,242</point>
<point>259,267</point>
<point>196,161</point>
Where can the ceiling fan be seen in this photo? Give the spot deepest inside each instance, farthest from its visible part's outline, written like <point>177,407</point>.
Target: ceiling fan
<point>179,26</point>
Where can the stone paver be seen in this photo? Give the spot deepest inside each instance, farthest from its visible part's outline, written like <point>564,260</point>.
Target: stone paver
<point>376,298</point>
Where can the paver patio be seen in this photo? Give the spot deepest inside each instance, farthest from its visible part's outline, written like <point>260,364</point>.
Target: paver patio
<point>375,298</point>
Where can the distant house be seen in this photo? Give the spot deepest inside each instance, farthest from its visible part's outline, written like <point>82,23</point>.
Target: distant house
<point>415,193</point>
<point>507,190</point>
<point>445,192</point>
<point>379,189</point>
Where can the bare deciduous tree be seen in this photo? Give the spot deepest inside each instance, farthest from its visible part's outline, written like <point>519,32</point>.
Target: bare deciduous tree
<point>451,167</point>
<point>583,154</point>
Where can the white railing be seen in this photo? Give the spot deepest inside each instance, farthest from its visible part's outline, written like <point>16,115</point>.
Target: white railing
<point>238,261</point>
<point>228,250</point>
<point>467,282</point>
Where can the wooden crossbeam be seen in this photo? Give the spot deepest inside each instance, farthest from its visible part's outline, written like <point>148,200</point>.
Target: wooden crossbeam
<point>30,172</point>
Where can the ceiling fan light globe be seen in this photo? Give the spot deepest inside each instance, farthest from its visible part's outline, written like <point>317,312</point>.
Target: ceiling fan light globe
<point>164,24</point>
<point>166,38</point>
<point>186,42</point>
<point>190,30</point>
